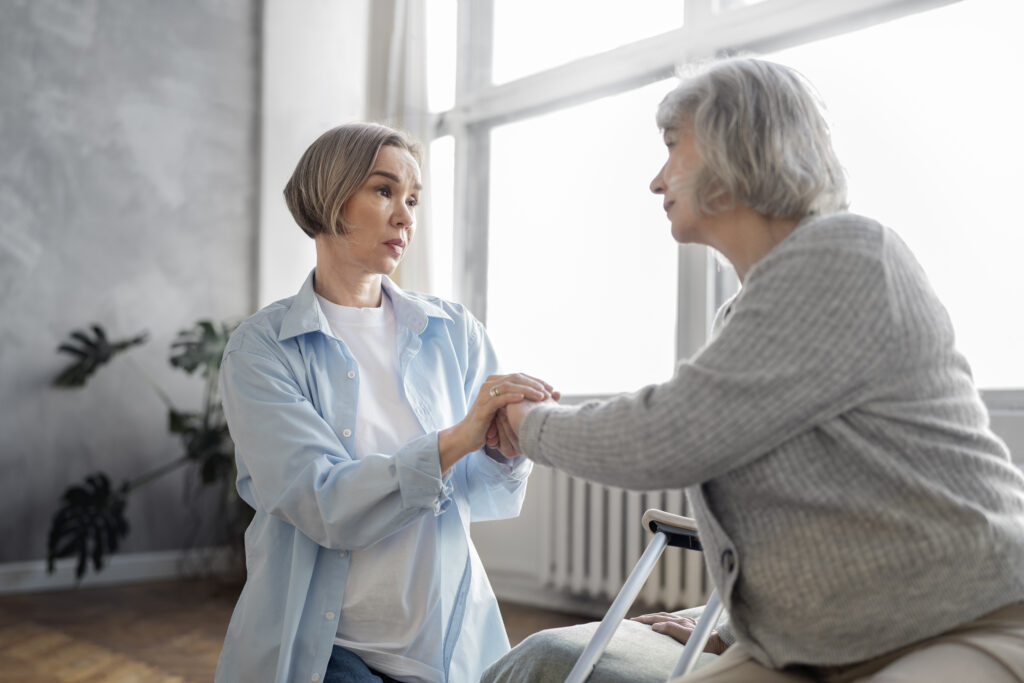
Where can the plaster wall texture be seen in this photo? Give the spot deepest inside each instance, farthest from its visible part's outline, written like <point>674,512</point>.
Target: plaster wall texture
<point>128,180</point>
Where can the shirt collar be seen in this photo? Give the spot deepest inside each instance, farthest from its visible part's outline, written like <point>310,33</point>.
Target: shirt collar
<point>305,315</point>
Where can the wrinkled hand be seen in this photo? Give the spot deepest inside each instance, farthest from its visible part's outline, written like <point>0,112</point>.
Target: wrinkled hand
<point>680,628</point>
<point>471,433</point>
<point>501,438</point>
<point>504,432</point>
<point>516,413</point>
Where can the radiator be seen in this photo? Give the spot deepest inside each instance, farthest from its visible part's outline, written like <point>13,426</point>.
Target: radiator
<point>597,537</point>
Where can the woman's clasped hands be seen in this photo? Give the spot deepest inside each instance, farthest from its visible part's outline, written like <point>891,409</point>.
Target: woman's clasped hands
<point>501,435</point>
<point>486,423</point>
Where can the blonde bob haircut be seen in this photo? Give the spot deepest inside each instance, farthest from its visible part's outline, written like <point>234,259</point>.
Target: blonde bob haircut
<point>333,168</point>
<point>760,131</point>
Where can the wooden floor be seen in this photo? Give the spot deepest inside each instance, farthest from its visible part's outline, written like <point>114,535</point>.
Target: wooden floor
<point>166,631</point>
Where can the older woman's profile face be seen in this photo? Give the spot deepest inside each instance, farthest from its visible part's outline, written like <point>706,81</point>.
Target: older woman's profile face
<point>676,181</point>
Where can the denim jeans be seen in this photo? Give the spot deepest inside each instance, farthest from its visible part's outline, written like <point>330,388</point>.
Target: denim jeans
<point>347,667</point>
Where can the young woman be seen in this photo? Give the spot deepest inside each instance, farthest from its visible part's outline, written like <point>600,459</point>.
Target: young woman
<point>366,441</point>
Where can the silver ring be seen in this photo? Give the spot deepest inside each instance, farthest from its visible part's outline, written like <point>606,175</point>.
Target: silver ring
<point>494,392</point>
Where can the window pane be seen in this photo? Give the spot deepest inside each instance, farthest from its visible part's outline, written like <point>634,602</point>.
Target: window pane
<point>441,21</point>
<point>728,5</point>
<point>440,230</point>
<point>926,114</point>
<point>534,35</point>
<point>582,267</point>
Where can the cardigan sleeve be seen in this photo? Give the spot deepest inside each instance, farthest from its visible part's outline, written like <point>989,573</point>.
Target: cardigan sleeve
<point>801,344</point>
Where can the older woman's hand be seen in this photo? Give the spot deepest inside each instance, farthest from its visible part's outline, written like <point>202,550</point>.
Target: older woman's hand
<point>474,430</point>
<point>680,628</point>
<point>517,412</point>
<point>501,438</point>
<point>503,434</point>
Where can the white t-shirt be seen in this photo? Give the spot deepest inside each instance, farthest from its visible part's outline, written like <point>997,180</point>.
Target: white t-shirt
<point>391,615</point>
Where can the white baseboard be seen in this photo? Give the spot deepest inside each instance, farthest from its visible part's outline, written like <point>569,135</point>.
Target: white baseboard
<point>526,590</point>
<point>31,577</point>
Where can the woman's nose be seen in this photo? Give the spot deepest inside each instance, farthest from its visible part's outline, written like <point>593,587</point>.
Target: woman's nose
<point>403,216</point>
<point>657,186</point>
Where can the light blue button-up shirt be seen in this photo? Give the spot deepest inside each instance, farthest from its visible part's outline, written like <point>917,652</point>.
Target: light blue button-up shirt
<point>290,390</point>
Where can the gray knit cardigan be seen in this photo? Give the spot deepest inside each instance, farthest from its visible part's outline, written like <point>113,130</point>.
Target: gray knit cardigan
<point>850,495</point>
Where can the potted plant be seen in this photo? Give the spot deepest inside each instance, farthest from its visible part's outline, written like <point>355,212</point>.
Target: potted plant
<point>90,521</point>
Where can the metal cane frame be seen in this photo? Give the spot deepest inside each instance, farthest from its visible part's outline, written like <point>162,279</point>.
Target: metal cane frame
<point>668,530</point>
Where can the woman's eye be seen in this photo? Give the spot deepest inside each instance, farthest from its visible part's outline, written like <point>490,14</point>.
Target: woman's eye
<point>384,191</point>
<point>413,202</point>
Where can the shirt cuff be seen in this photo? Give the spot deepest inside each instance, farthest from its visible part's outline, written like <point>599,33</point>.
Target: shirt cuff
<point>516,468</point>
<point>420,483</point>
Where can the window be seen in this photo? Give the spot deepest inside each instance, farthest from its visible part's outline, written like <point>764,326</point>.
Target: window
<point>442,181</point>
<point>534,35</point>
<point>574,231</point>
<point>441,42</point>
<point>548,252</point>
<point>926,120</point>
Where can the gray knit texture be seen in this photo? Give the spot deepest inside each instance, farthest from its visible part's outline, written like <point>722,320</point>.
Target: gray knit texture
<point>850,494</point>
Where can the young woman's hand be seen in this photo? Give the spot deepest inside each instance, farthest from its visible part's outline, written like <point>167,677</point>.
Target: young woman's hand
<point>472,432</point>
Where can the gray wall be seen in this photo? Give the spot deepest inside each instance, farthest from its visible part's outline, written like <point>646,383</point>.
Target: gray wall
<point>128,170</point>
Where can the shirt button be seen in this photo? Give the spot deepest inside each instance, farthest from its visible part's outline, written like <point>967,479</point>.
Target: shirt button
<point>316,677</point>
<point>347,432</point>
<point>330,616</point>
<point>343,553</point>
<point>728,561</point>
<point>351,374</point>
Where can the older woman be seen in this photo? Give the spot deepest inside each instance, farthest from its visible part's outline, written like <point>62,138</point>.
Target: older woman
<point>859,518</point>
<point>360,415</point>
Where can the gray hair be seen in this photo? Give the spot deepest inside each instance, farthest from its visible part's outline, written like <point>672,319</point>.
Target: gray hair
<point>764,141</point>
<point>333,168</point>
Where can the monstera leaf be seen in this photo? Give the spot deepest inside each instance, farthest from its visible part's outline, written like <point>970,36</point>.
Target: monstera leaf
<point>89,524</point>
<point>207,442</point>
<point>200,347</point>
<point>90,354</point>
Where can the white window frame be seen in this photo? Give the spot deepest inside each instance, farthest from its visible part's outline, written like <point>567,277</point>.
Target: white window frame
<point>762,27</point>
